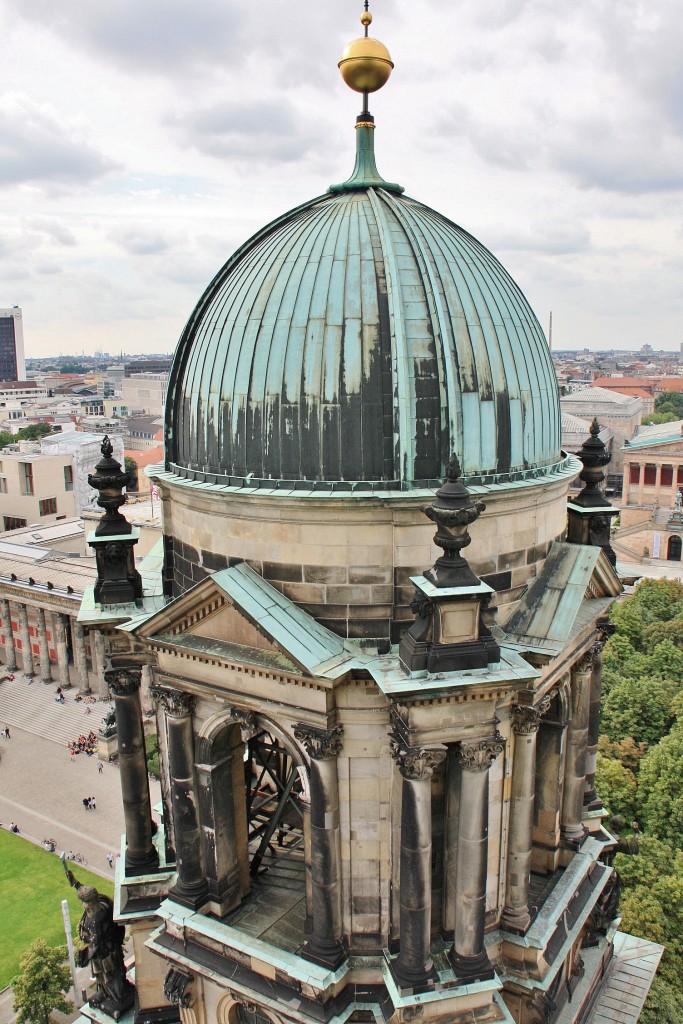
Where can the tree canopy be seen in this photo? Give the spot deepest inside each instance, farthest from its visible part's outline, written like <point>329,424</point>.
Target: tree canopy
<point>39,987</point>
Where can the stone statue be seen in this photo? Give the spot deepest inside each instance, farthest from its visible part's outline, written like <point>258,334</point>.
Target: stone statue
<point>678,501</point>
<point>103,952</point>
<point>108,724</point>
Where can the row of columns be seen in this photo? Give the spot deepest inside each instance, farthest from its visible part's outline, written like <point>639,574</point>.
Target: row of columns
<point>469,768</point>
<point>640,485</point>
<point>61,623</point>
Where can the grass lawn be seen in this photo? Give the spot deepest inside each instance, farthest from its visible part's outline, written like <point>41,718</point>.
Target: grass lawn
<point>32,887</point>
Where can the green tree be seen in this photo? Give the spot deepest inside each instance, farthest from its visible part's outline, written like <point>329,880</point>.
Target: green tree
<point>639,708</point>
<point>670,401</point>
<point>656,632</point>
<point>617,787</point>
<point>658,600</point>
<point>34,431</point>
<point>40,985</point>
<point>660,794</point>
<point>664,1004</point>
<point>131,466</point>
<point>659,417</point>
<point>666,661</point>
<point>629,622</point>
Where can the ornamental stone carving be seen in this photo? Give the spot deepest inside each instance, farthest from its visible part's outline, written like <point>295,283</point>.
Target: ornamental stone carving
<point>247,722</point>
<point>320,744</point>
<point>416,763</point>
<point>123,682</point>
<point>526,718</point>
<point>479,755</point>
<point>176,703</point>
<point>176,984</point>
<point>585,663</point>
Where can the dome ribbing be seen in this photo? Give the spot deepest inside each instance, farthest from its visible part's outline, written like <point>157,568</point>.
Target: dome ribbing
<point>356,342</point>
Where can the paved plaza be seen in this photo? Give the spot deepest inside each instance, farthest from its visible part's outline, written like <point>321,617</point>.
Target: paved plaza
<point>42,788</point>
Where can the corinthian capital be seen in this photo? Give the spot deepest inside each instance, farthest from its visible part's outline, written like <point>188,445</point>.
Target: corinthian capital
<point>416,763</point>
<point>527,718</point>
<point>479,755</point>
<point>176,703</point>
<point>123,682</point>
<point>320,744</point>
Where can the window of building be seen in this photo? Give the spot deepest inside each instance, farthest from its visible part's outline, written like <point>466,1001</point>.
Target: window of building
<point>68,478</point>
<point>26,477</point>
<point>679,476</point>
<point>3,485</point>
<point>14,523</point>
<point>47,507</point>
<point>667,476</point>
<point>634,476</point>
<point>650,476</point>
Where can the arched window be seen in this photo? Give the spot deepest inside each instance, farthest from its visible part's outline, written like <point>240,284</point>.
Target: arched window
<point>674,549</point>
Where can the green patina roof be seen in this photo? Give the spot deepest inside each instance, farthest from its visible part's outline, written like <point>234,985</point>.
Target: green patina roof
<point>362,337</point>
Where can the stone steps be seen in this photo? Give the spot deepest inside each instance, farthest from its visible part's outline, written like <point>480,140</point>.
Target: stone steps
<point>31,706</point>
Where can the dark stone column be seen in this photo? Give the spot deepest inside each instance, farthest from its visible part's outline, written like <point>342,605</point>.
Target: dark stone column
<point>572,829</point>
<point>6,619</point>
<point>80,656</point>
<point>451,836</point>
<point>413,966</point>
<point>591,800</point>
<point>326,945</point>
<point>141,855</point>
<point>468,956</point>
<point>525,723</point>
<point>25,637</point>
<point>45,672</point>
<point>191,887</point>
<point>60,624</point>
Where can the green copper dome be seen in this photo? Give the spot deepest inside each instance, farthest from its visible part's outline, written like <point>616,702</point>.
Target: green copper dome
<point>356,342</point>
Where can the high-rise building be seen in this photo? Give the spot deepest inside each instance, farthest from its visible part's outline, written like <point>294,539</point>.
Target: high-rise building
<point>12,363</point>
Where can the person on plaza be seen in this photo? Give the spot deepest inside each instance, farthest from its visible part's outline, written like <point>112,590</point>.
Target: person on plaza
<point>100,767</point>
<point>110,859</point>
<point>14,828</point>
<point>86,803</point>
<point>93,805</point>
<point>5,733</point>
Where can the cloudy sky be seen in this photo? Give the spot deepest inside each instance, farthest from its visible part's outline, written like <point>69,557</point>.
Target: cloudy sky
<point>141,142</point>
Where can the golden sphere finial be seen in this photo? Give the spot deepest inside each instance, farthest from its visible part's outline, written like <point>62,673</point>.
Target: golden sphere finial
<point>365,64</point>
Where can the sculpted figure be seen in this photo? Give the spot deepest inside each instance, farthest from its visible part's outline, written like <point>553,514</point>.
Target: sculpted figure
<point>103,952</point>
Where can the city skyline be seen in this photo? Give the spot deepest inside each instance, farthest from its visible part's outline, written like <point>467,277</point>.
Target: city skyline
<point>129,178</point>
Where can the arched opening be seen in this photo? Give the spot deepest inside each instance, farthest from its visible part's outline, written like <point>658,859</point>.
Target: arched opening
<point>673,552</point>
<point>254,787</point>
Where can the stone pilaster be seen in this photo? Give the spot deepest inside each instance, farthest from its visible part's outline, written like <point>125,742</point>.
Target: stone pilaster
<point>191,887</point>
<point>25,638</point>
<point>468,956</point>
<point>45,671</point>
<point>146,695</point>
<point>99,663</point>
<point>6,619</point>
<point>141,855</point>
<point>525,724</point>
<point>326,944</point>
<point>572,830</point>
<point>413,966</point>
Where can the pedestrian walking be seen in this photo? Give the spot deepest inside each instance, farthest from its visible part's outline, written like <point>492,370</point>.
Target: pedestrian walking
<point>5,733</point>
<point>86,803</point>
<point>93,805</point>
<point>100,767</point>
<point>110,859</point>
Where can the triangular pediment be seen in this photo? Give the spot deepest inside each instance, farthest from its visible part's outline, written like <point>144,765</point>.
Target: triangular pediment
<point>236,615</point>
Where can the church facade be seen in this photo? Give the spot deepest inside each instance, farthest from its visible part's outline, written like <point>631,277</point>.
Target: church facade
<point>375,642</point>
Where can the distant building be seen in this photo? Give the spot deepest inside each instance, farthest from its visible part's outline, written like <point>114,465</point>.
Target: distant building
<point>621,413</point>
<point>12,363</point>
<point>634,387</point>
<point>145,393</point>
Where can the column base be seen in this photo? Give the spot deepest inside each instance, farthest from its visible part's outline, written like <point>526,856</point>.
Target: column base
<point>412,979</point>
<point>47,682</point>
<point>516,919</point>
<point>144,865</point>
<point>193,897</point>
<point>573,836</point>
<point>330,953</point>
<point>469,969</point>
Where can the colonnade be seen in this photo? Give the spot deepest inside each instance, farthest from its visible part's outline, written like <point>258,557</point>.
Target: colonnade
<point>60,625</point>
<point>466,826</point>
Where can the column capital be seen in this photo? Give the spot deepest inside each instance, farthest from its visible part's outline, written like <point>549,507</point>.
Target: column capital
<point>416,763</point>
<point>479,755</point>
<point>526,718</point>
<point>176,703</point>
<point>246,720</point>
<point>123,682</point>
<point>585,662</point>
<point>320,744</point>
